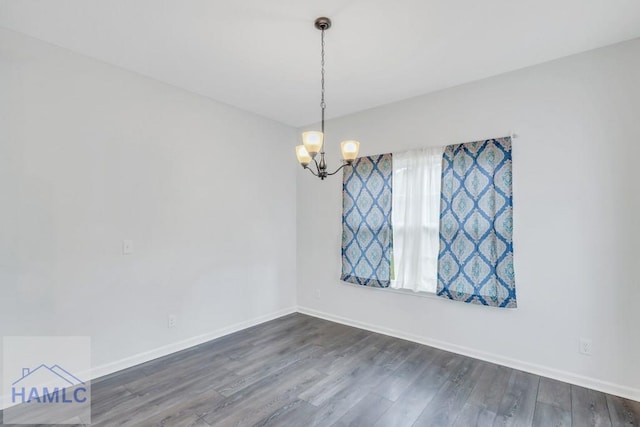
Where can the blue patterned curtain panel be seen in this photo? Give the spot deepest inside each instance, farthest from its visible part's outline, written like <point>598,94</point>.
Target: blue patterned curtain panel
<point>366,221</point>
<point>475,262</point>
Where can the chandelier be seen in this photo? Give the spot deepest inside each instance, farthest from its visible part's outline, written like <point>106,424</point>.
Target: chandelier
<point>313,141</point>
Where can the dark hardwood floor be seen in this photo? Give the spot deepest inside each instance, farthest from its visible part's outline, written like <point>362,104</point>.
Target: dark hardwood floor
<point>301,371</point>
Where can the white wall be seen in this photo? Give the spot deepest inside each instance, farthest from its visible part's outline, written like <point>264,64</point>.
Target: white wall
<point>90,155</point>
<point>576,228</point>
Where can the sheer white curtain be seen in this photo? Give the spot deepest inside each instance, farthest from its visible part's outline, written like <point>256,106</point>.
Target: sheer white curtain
<point>415,217</point>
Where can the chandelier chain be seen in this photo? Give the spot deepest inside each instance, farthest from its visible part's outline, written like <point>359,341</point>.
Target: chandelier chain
<point>322,102</point>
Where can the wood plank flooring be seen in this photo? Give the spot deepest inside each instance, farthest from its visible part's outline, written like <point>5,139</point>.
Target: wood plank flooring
<point>301,371</point>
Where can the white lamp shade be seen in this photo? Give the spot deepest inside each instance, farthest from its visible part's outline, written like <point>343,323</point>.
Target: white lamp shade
<point>303,156</point>
<point>312,141</point>
<point>350,149</point>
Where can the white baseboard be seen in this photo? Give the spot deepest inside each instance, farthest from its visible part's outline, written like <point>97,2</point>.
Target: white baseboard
<point>592,383</point>
<point>136,359</point>
<point>545,371</point>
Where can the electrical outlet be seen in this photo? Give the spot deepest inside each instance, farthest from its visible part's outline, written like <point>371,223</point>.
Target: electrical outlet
<point>171,321</point>
<point>585,346</point>
<point>317,293</point>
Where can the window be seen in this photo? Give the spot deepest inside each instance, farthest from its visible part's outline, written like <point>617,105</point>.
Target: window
<point>436,220</point>
<point>415,219</point>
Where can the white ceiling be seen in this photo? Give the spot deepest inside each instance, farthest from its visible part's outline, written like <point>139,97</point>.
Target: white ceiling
<point>263,56</point>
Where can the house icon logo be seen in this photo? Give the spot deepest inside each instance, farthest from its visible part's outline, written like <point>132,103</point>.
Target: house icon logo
<point>48,384</point>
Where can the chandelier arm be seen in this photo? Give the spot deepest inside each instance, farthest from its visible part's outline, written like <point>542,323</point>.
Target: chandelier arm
<point>311,170</point>
<point>340,168</point>
<point>317,171</point>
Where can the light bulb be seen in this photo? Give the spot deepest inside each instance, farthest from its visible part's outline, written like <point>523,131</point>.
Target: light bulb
<point>312,141</point>
<point>303,156</point>
<point>350,150</point>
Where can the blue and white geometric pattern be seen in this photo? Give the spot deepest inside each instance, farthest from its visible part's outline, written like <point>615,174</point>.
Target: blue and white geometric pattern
<point>366,221</point>
<point>475,262</point>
